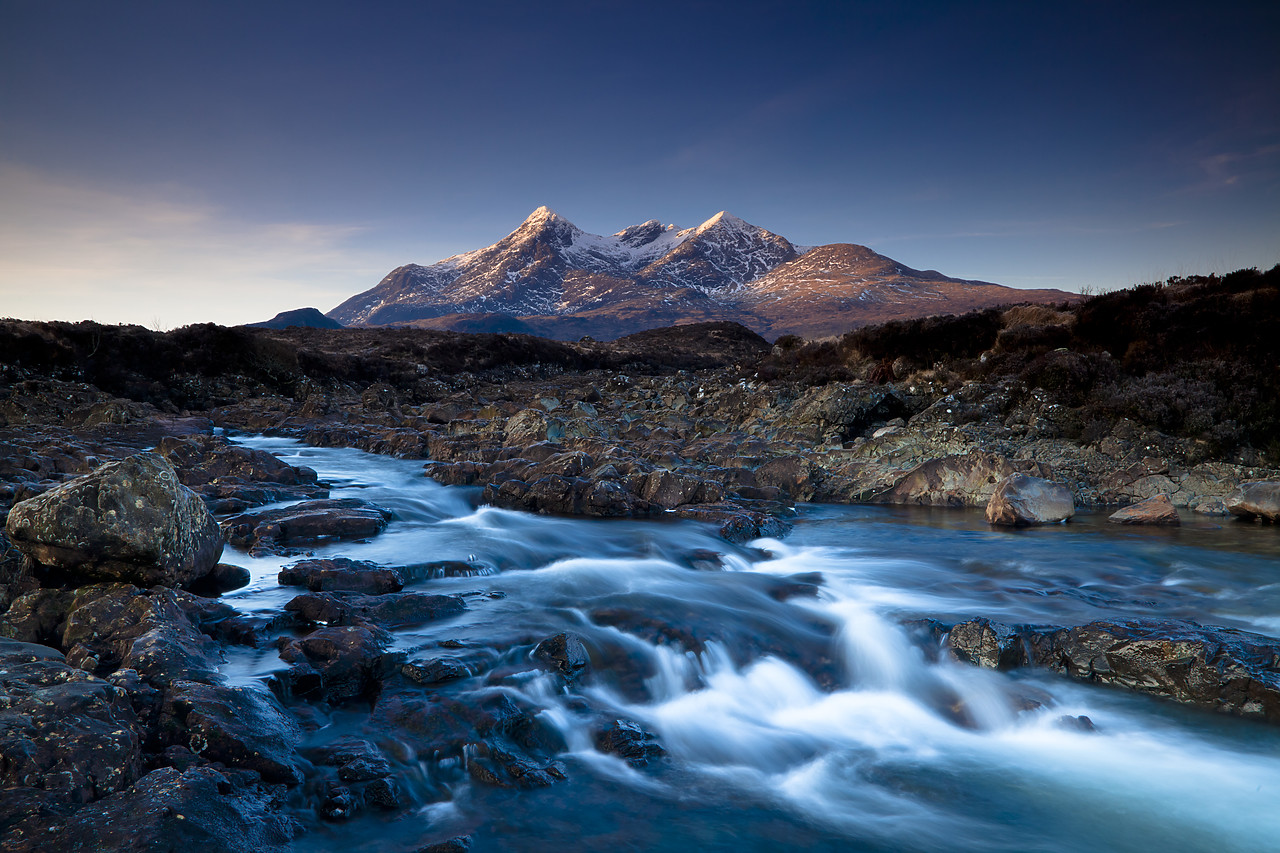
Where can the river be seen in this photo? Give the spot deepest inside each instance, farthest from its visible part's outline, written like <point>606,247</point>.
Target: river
<point>814,722</point>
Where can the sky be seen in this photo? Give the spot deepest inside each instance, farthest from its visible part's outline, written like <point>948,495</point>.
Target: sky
<point>173,162</point>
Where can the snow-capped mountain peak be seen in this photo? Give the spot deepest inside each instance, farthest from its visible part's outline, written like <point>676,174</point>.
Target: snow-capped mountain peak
<point>551,271</point>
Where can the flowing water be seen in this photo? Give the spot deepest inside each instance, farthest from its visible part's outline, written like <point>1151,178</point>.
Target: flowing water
<point>817,721</point>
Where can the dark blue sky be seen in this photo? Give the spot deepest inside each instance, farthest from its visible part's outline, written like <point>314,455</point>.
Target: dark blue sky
<point>171,162</point>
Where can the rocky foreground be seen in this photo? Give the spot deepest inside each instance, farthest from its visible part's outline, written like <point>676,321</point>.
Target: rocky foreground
<point>117,730</point>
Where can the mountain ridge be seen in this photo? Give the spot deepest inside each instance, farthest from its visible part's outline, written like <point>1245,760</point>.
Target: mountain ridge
<point>558,280</point>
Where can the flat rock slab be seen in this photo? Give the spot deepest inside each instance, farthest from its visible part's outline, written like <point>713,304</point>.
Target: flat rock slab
<point>1229,671</point>
<point>1158,510</point>
<point>130,520</point>
<point>1257,500</point>
<point>309,521</point>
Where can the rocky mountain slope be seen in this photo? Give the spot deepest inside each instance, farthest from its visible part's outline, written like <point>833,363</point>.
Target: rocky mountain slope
<point>550,277</point>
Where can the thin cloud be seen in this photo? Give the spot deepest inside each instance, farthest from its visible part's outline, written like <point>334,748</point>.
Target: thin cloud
<point>70,250</point>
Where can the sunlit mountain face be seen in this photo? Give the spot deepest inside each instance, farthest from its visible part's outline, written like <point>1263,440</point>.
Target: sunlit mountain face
<point>550,277</point>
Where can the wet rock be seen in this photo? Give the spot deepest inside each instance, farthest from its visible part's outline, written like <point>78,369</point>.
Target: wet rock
<point>627,740</point>
<point>339,804</point>
<point>1258,500</point>
<point>565,653</point>
<point>493,765</point>
<point>435,670</point>
<point>343,574</point>
<point>1022,500</point>
<point>1157,510</point>
<point>237,726</point>
<point>61,729</point>
<point>382,793</point>
<point>392,609</point>
<point>339,663</point>
<point>1079,723</point>
<point>200,810</point>
<point>1233,672</point>
<point>129,520</point>
<point>309,521</point>
<point>736,524</point>
<point>988,644</point>
<point>443,569</point>
<point>223,577</point>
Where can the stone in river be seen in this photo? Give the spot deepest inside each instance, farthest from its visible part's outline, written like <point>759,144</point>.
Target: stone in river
<point>1155,510</point>
<point>1020,500</point>
<point>309,521</point>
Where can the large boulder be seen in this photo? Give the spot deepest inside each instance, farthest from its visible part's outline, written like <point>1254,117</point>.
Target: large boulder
<point>129,521</point>
<point>1021,500</point>
<point>61,729</point>
<point>1156,510</point>
<point>1258,500</point>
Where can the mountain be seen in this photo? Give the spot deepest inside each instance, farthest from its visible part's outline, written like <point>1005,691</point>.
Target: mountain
<point>308,317</point>
<point>552,278</point>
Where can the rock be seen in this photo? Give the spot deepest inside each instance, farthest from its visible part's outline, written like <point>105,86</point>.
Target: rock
<point>531,426</point>
<point>227,474</point>
<point>199,810</point>
<point>339,663</point>
<point>38,616</point>
<point>1156,510</point>
<point>343,574</point>
<point>736,524</point>
<point>1229,671</point>
<point>129,520</point>
<point>391,609</point>
<point>159,633</point>
<point>569,496</point>
<point>987,644</point>
<point>61,729</point>
<point>629,741</point>
<point>223,577</point>
<point>564,653</point>
<point>1258,500</point>
<point>965,480</point>
<point>237,726</point>
<point>309,521</point>
<point>1022,500</point>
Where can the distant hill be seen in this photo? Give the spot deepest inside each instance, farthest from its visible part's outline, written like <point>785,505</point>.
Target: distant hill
<point>551,278</point>
<point>310,318</point>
